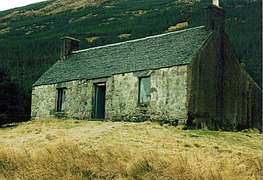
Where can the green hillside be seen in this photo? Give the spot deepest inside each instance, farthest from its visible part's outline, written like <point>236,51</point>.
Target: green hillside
<point>30,36</point>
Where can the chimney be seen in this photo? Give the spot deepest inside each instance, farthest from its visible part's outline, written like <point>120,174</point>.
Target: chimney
<point>68,45</point>
<point>216,2</point>
<point>215,17</point>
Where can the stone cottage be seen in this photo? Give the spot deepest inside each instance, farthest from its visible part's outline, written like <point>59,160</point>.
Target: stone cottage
<point>189,76</point>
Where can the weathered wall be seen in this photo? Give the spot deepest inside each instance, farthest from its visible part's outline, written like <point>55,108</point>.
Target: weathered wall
<point>242,97</point>
<point>168,97</point>
<point>221,94</point>
<point>43,101</point>
<point>168,94</point>
<point>204,86</point>
<point>78,103</point>
<point>78,100</point>
<point>121,96</point>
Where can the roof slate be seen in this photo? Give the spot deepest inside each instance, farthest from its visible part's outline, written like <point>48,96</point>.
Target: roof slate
<point>153,52</point>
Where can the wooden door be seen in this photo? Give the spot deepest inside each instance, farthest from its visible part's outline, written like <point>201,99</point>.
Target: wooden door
<point>99,105</point>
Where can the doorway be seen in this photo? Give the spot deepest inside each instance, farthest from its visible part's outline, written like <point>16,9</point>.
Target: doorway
<point>99,105</point>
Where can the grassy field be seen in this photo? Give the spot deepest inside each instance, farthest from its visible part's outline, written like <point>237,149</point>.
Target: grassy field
<point>71,149</point>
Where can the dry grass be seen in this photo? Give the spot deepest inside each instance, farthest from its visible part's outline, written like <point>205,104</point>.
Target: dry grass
<point>70,149</point>
<point>53,8</point>
<point>92,39</point>
<point>177,26</point>
<point>124,36</point>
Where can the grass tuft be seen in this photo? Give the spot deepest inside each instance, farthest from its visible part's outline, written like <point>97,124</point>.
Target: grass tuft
<point>120,150</point>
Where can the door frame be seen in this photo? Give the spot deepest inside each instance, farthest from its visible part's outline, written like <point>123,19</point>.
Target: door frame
<point>98,89</point>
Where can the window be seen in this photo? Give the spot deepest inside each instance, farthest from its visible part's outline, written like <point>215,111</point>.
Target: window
<point>61,99</point>
<point>144,90</point>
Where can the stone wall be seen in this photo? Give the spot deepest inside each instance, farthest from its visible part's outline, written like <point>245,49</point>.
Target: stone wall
<point>78,100</point>
<point>78,103</point>
<point>168,94</point>
<point>221,93</point>
<point>204,86</point>
<point>121,96</point>
<point>168,97</point>
<point>43,101</point>
<point>242,98</point>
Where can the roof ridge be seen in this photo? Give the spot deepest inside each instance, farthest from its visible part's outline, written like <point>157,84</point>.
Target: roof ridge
<point>152,52</point>
<point>135,40</point>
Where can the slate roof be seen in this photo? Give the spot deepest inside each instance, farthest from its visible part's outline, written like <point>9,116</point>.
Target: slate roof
<point>153,52</point>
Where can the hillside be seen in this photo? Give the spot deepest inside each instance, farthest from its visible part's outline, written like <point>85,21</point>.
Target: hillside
<point>49,7</point>
<point>71,149</point>
<point>30,36</point>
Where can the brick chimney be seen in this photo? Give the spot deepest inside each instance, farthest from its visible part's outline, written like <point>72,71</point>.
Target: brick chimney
<point>68,45</point>
<point>215,17</point>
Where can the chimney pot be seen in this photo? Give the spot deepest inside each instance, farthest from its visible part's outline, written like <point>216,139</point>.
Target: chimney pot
<point>216,2</point>
<point>68,45</point>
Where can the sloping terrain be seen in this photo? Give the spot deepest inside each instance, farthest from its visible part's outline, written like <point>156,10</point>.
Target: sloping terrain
<point>30,35</point>
<point>46,8</point>
<point>72,149</point>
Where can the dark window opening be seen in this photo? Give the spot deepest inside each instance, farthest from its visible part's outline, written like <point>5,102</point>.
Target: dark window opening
<point>61,92</point>
<point>144,91</point>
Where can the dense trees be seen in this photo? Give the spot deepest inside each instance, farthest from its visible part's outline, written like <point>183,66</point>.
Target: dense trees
<point>11,100</point>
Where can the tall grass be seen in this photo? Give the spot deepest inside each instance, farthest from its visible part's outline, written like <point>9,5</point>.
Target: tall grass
<point>69,161</point>
<point>57,149</point>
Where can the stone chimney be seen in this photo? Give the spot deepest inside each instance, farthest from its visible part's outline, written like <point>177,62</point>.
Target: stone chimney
<point>215,17</point>
<point>68,45</point>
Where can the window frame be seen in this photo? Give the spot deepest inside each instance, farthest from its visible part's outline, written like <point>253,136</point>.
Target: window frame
<point>140,101</point>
